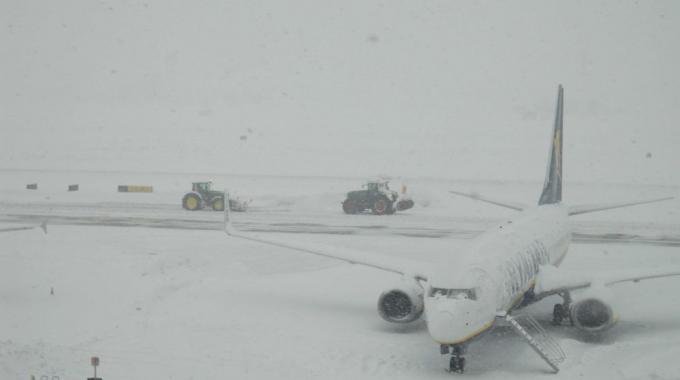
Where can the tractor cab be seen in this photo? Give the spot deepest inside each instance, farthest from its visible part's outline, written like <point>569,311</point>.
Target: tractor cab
<point>201,187</point>
<point>381,187</point>
<point>377,186</point>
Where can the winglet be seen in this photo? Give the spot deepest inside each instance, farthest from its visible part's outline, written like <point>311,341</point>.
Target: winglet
<point>552,187</point>
<point>228,228</point>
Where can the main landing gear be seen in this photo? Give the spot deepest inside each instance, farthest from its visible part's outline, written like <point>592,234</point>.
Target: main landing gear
<point>561,311</point>
<point>457,361</point>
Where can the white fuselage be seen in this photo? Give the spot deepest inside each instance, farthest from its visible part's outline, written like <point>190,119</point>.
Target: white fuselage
<point>463,298</point>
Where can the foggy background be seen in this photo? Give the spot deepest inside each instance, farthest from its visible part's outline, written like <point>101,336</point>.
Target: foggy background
<point>353,88</point>
<point>290,104</point>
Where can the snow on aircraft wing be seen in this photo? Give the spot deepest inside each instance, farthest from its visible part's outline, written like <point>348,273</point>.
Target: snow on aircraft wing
<point>582,209</point>
<point>506,204</point>
<point>409,268</point>
<point>552,280</point>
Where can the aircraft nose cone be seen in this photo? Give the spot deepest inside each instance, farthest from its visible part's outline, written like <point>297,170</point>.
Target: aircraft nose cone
<point>449,325</point>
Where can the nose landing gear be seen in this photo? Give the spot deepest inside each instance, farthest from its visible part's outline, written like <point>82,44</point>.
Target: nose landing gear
<point>561,311</point>
<point>457,361</point>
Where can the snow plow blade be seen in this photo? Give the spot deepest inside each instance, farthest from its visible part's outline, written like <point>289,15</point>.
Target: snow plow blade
<point>405,204</point>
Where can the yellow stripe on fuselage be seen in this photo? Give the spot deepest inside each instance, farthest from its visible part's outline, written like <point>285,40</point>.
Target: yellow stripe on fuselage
<point>519,296</point>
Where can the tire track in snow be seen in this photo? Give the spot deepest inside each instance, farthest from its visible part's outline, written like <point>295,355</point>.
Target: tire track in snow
<point>169,217</point>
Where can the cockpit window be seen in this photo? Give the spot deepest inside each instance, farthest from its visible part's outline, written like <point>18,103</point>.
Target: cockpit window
<point>458,294</point>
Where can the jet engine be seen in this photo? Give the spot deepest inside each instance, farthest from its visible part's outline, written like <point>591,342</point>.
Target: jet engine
<point>403,303</point>
<point>592,314</point>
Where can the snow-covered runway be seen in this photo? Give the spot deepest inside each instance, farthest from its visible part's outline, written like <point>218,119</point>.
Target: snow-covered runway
<point>185,301</point>
<point>153,215</point>
<point>156,303</point>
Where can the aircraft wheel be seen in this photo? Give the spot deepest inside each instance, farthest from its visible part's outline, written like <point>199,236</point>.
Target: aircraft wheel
<point>457,364</point>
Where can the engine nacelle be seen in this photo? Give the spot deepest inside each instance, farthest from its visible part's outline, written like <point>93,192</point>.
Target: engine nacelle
<point>592,313</point>
<point>403,303</point>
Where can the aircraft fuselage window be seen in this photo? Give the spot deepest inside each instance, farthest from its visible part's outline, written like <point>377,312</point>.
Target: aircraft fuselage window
<point>459,294</point>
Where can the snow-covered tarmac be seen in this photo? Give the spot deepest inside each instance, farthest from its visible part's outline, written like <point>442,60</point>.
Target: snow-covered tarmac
<point>192,303</point>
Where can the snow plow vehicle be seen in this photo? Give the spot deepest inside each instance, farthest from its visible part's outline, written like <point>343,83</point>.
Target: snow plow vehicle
<point>202,196</point>
<point>378,198</point>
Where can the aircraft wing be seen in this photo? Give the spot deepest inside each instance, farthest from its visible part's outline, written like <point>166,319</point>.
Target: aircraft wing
<point>497,202</point>
<point>583,209</point>
<point>552,280</point>
<point>409,268</point>
<point>636,276</point>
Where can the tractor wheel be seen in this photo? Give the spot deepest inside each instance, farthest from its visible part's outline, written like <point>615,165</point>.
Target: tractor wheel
<point>350,207</point>
<point>191,202</point>
<point>380,207</point>
<point>218,204</point>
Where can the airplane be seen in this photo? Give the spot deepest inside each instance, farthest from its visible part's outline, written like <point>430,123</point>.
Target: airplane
<point>512,265</point>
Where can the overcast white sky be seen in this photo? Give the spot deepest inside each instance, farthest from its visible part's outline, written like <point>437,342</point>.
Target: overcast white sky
<point>432,88</point>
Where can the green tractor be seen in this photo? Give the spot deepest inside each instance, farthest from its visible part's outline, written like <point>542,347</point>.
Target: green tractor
<point>376,197</point>
<point>202,195</point>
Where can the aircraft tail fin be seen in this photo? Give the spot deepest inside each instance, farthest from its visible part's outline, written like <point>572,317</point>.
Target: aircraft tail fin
<point>552,187</point>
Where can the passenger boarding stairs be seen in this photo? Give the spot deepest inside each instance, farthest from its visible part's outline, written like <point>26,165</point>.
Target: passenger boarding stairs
<point>539,340</point>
